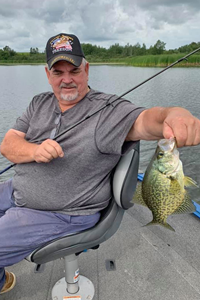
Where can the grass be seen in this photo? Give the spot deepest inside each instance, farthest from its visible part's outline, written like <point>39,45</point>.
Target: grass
<point>152,60</point>
<point>138,61</point>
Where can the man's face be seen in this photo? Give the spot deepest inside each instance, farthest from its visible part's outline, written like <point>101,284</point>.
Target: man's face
<point>69,83</point>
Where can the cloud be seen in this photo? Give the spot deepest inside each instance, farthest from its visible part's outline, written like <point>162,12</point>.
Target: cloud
<point>25,24</point>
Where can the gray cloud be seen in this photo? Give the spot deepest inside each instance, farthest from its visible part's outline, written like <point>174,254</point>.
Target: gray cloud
<point>25,24</point>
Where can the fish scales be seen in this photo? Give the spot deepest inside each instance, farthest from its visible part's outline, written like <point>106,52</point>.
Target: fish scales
<point>163,188</point>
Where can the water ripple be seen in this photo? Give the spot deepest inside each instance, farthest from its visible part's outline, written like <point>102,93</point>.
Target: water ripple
<point>175,87</point>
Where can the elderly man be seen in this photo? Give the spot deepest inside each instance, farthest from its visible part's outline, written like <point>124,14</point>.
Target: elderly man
<point>61,186</point>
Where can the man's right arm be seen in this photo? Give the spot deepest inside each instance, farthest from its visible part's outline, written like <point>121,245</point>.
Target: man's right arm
<point>16,149</point>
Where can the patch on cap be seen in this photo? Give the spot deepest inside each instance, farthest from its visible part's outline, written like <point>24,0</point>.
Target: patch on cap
<point>61,43</point>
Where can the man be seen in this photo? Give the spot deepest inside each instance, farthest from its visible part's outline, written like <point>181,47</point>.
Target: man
<point>61,185</point>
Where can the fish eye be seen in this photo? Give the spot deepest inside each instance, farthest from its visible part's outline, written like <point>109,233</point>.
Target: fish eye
<point>160,154</point>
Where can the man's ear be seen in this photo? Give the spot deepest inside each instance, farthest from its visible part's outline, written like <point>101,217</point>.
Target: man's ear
<point>87,68</point>
<point>48,73</point>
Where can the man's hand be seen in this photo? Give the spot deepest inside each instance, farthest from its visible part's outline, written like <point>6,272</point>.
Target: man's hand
<point>47,151</point>
<point>166,122</point>
<point>182,125</point>
<point>16,149</point>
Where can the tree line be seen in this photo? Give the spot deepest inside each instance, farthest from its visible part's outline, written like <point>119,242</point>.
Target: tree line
<point>95,53</point>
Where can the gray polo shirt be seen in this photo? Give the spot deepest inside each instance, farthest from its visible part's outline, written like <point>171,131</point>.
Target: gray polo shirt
<point>79,182</point>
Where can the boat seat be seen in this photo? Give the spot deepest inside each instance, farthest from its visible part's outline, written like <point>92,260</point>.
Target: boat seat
<point>124,181</point>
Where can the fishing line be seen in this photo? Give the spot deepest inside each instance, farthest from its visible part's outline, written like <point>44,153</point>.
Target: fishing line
<point>110,103</point>
<point>132,89</point>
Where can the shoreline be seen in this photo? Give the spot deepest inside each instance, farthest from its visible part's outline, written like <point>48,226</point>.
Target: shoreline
<point>185,65</point>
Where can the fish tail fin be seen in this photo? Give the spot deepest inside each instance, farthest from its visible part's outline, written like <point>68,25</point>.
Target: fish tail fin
<point>165,225</point>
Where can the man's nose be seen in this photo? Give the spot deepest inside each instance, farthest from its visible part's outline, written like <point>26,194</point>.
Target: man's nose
<point>67,78</point>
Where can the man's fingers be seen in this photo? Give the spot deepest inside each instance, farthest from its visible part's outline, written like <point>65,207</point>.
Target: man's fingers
<point>50,151</point>
<point>47,151</point>
<point>185,130</point>
<point>180,132</point>
<point>57,147</point>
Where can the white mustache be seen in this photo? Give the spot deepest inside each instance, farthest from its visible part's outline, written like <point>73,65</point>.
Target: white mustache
<point>67,85</point>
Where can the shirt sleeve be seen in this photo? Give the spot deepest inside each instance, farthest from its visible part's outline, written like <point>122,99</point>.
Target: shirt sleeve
<point>22,123</point>
<point>114,124</point>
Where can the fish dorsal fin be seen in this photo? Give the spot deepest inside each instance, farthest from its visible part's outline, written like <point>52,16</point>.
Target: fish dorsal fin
<point>137,197</point>
<point>186,206</point>
<point>189,182</point>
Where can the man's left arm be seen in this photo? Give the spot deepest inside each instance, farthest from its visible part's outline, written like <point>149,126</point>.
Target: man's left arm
<point>166,122</point>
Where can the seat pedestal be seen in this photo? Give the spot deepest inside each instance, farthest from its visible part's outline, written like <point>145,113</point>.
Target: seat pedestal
<point>85,292</point>
<point>73,285</point>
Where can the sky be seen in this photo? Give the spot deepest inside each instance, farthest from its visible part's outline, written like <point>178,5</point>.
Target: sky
<point>30,23</point>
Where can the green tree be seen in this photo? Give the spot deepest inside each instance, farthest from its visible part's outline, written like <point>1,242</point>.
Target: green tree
<point>8,50</point>
<point>34,50</point>
<point>143,49</point>
<point>158,48</point>
<point>115,50</point>
<point>7,53</point>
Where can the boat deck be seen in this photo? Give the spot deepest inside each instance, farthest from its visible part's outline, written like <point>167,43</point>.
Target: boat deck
<point>150,263</point>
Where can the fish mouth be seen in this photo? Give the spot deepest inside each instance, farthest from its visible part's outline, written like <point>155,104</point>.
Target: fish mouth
<point>167,145</point>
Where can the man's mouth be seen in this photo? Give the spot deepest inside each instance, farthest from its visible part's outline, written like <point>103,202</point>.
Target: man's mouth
<point>67,87</point>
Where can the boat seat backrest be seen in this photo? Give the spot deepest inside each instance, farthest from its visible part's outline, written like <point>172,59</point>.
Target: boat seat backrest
<point>124,183</point>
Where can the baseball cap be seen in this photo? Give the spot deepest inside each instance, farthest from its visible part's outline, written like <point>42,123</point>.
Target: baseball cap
<point>66,47</point>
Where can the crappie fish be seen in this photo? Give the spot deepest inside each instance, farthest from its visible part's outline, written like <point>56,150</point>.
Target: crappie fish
<point>163,187</point>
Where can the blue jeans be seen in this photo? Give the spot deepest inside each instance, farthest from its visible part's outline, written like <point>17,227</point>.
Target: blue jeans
<point>22,230</point>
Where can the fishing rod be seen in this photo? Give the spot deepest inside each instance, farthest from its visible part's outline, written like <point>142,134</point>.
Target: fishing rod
<point>110,103</point>
<point>132,89</point>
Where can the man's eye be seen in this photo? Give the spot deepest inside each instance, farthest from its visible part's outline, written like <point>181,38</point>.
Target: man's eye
<point>75,71</point>
<point>56,72</point>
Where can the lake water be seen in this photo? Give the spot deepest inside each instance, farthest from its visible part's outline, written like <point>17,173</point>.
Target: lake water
<point>175,87</point>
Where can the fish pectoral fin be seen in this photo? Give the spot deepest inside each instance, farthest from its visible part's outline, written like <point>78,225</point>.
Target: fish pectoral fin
<point>137,197</point>
<point>190,182</point>
<point>165,225</point>
<point>186,206</point>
